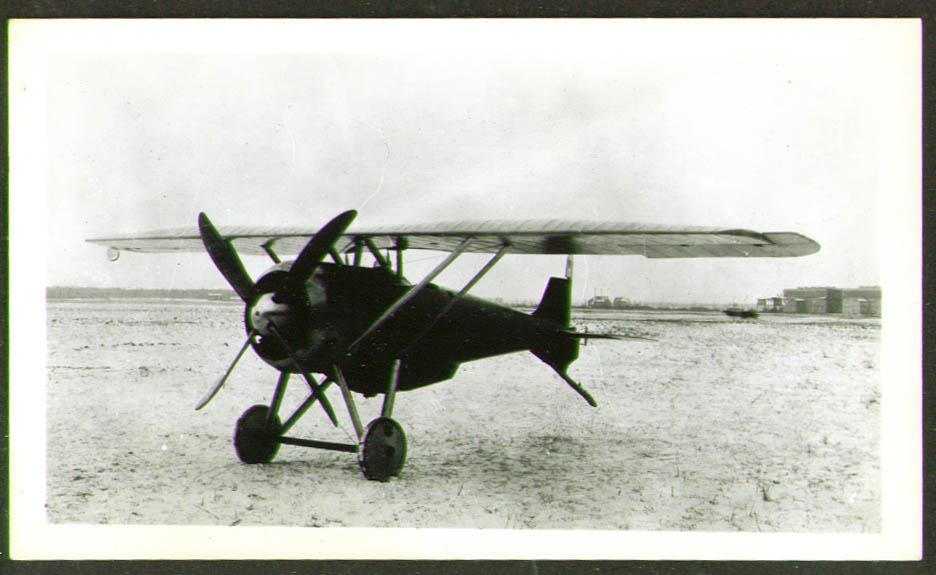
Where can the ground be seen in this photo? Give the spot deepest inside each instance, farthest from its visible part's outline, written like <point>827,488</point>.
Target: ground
<point>718,424</point>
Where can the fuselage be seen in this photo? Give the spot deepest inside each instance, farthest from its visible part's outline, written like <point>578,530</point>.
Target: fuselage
<point>341,302</point>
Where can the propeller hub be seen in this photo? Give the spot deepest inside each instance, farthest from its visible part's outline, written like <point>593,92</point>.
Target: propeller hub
<point>265,312</point>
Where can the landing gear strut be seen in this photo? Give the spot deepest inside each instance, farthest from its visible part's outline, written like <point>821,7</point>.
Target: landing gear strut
<point>381,447</point>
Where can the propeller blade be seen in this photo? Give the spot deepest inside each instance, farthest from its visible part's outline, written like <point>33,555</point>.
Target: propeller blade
<point>319,395</point>
<point>220,383</point>
<point>316,250</point>
<point>226,259</point>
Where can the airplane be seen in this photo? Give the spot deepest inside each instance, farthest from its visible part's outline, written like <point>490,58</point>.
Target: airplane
<point>741,313</point>
<point>371,331</point>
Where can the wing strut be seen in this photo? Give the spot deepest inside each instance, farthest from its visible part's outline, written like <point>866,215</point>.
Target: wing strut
<point>268,248</point>
<point>477,277</point>
<point>400,247</point>
<point>358,251</point>
<point>413,292</point>
<point>384,263</point>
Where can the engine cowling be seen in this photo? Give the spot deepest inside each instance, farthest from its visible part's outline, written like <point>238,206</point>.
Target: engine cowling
<point>302,320</point>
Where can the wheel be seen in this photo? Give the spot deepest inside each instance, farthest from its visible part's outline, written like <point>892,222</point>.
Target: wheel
<point>252,442</point>
<point>383,450</point>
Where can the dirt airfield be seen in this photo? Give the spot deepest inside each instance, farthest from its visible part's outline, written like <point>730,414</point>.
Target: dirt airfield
<point>720,424</point>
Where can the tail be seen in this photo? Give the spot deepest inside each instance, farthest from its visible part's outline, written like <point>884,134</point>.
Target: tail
<point>557,302</point>
<point>559,348</point>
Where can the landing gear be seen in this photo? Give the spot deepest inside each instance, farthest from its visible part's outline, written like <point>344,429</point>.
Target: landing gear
<point>383,449</point>
<point>381,446</point>
<point>254,441</point>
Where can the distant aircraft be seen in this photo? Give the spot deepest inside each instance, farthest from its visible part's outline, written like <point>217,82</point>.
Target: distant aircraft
<point>370,331</point>
<point>741,313</point>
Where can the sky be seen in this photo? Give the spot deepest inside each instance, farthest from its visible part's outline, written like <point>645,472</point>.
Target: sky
<point>764,125</point>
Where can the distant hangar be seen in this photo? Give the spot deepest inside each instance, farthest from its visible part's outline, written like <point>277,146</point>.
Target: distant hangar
<point>858,302</point>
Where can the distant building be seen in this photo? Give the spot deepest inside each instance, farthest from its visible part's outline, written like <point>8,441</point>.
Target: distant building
<point>622,303</point>
<point>770,304</point>
<point>860,302</point>
<point>600,302</point>
<point>864,301</point>
<point>812,300</point>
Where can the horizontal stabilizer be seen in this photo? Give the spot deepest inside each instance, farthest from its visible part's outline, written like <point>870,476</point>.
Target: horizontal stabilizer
<point>618,336</point>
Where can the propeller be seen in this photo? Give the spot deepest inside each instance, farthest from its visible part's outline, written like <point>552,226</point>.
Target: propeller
<point>227,261</point>
<point>314,252</point>
<point>220,383</point>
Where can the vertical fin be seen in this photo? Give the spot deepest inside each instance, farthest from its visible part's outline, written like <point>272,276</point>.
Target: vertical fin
<point>556,303</point>
<point>556,349</point>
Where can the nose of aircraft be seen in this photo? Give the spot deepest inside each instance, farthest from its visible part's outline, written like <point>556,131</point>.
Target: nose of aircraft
<point>265,312</point>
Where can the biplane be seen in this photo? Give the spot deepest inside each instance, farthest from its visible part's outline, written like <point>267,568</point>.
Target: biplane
<point>368,330</point>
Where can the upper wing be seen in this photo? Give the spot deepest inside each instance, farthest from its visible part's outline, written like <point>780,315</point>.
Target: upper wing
<point>522,237</point>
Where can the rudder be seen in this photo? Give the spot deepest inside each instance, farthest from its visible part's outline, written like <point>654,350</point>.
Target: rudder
<point>557,349</point>
<point>556,302</point>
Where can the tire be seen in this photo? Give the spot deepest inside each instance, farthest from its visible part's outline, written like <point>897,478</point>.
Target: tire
<point>383,450</point>
<point>252,442</point>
